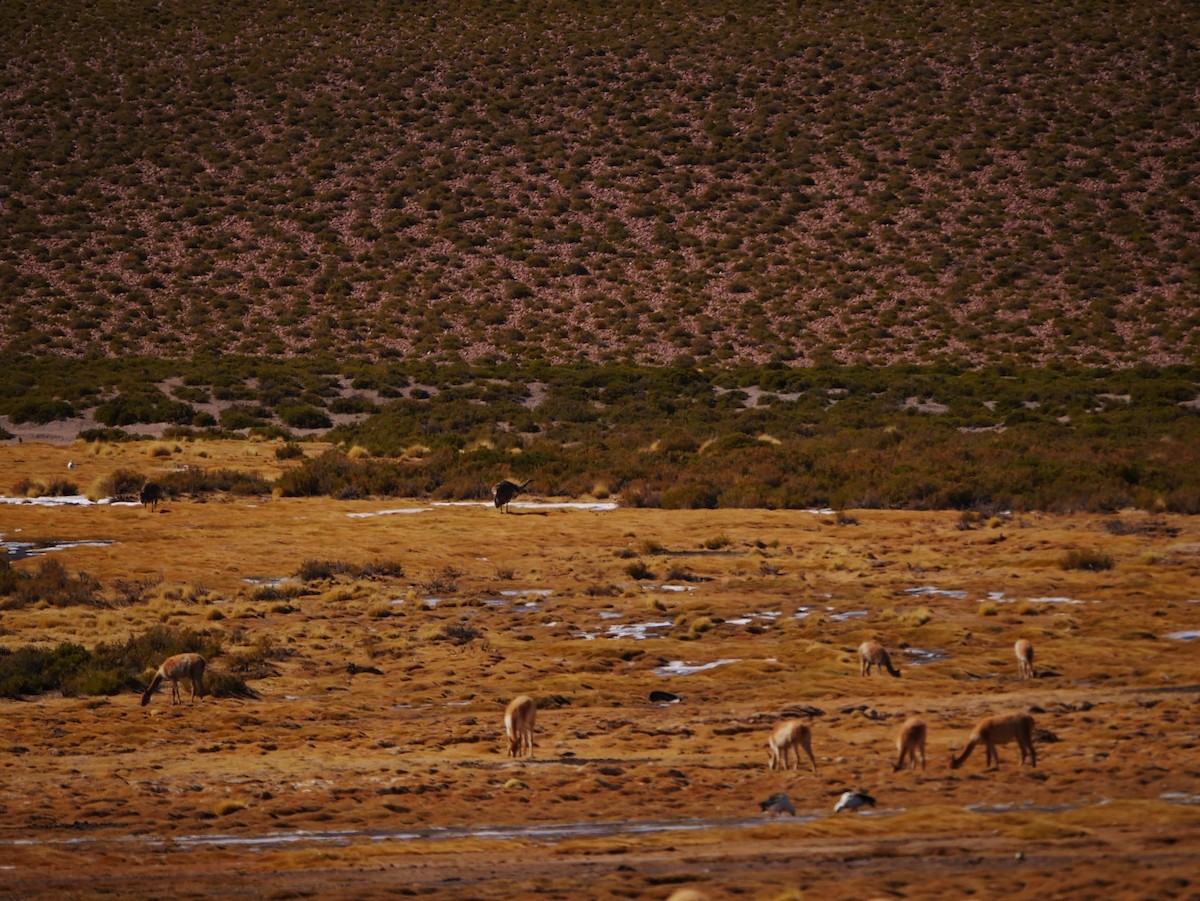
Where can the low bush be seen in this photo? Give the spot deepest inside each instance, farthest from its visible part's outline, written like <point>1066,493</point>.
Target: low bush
<point>303,416</point>
<point>107,669</point>
<point>639,570</point>
<point>49,584</point>
<point>313,570</point>
<point>1092,561</point>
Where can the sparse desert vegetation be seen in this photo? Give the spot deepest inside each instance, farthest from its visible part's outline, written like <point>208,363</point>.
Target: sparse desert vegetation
<point>727,183</point>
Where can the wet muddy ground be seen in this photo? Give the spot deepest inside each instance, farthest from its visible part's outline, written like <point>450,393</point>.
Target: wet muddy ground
<point>335,784</point>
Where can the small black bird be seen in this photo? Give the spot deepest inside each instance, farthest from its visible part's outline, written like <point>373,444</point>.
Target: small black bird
<point>505,491</point>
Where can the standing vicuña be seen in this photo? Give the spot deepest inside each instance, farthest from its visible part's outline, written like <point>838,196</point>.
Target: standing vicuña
<point>872,653</point>
<point>787,738</point>
<point>519,718</point>
<point>910,741</point>
<point>181,666</point>
<point>1000,730</point>
<point>1024,651</point>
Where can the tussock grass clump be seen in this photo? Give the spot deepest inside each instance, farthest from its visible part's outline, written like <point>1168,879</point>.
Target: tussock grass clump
<point>683,574</point>
<point>289,451</point>
<point>1092,561</point>
<point>917,617</point>
<point>121,483</point>
<point>639,570</point>
<point>279,592</point>
<point>198,482</point>
<point>313,570</point>
<point>53,488</point>
<point>132,591</point>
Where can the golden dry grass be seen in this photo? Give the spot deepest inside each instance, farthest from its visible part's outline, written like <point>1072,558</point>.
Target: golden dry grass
<point>99,795</point>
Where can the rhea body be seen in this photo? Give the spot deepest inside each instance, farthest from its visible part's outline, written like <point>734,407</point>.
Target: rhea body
<point>504,491</point>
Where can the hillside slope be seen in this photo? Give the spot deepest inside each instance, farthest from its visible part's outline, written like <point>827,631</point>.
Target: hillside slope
<point>734,182</point>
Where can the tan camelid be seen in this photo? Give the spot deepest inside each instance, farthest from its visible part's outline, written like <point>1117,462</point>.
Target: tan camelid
<point>910,741</point>
<point>1024,651</point>
<point>519,718</point>
<point>787,738</point>
<point>181,666</point>
<point>1000,730</point>
<point>872,653</point>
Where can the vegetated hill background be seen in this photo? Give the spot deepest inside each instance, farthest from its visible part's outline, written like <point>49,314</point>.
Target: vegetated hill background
<point>730,182</point>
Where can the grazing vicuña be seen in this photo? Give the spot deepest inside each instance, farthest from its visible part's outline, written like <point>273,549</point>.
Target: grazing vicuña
<point>872,653</point>
<point>910,741</point>
<point>519,718</point>
<point>181,666</point>
<point>999,730</point>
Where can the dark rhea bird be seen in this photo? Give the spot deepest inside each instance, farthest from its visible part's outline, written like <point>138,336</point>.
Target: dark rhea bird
<point>505,491</point>
<point>151,494</point>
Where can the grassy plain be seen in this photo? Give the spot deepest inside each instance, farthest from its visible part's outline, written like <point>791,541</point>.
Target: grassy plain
<point>336,785</point>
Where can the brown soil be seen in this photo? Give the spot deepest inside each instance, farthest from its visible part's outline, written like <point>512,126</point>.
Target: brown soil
<point>335,785</point>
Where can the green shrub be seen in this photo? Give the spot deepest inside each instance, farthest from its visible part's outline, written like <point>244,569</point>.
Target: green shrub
<point>105,670</point>
<point>146,404</point>
<point>303,416</point>
<point>41,411</point>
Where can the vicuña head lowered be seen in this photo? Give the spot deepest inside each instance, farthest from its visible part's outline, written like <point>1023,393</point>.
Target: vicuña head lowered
<point>519,718</point>
<point>872,653</point>
<point>181,666</point>
<point>999,730</point>
<point>910,741</point>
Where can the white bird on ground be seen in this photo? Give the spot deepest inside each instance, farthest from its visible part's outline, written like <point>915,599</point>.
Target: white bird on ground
<point>70,464</point>
<point>853,801</point>
<point>778,803</point>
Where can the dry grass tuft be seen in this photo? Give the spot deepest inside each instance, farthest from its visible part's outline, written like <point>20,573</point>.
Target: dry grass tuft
<point>226,806</point>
